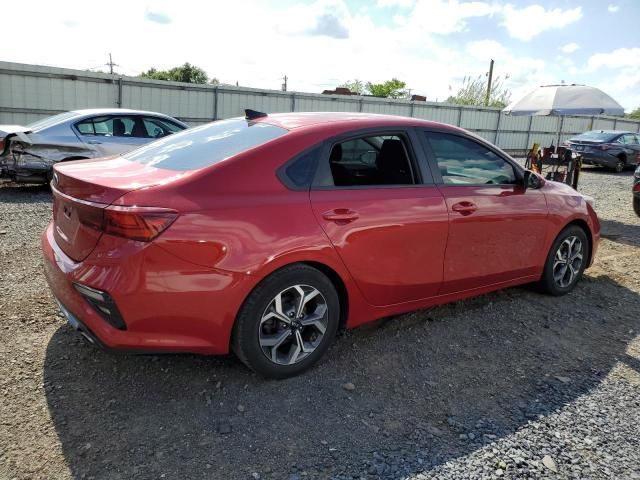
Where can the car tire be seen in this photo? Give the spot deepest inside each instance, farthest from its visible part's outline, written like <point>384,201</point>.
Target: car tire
<point>619,166</point>
<point>566,261</point>
<point>274,335</point>
<point>636,205</point>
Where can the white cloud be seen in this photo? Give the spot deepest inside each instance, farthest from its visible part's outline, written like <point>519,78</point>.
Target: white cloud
<point>570,47</point>
<point>445,17</point>
<point>619,58</point>
<point>528,22</point>
<point>394,3</point>
<point>613,8</point>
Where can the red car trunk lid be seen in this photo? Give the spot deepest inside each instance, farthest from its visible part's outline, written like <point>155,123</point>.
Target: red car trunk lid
<point>83,189</point>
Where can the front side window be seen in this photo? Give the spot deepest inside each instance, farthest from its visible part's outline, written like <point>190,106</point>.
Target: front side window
<point>462,161</point>
<point>373,160</point>
<point>205,145</point>
<point>630,139</point>
<point>159,127</point>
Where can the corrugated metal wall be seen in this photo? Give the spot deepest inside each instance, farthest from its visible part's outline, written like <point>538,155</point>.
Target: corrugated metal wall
<point>31,92</point>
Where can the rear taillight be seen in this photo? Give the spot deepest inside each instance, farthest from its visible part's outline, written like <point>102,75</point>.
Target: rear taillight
<point>137,223</point>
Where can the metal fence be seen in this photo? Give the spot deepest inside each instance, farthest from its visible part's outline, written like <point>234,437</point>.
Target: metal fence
<point>31,92</point>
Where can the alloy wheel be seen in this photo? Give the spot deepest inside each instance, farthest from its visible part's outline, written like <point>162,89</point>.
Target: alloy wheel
<point>567,261</point>
<point>293,324</point>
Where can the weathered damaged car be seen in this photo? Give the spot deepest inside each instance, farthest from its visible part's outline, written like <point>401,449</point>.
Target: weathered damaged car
<point>28,153</point>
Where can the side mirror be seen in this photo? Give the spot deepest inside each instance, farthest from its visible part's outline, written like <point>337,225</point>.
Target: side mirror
<point>531,180</point>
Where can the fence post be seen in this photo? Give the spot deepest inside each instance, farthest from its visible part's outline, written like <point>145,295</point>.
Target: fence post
<point>459,121</point>
<point>293,102</point>
<point>361,102</point>
<point>119,92</point>
<point>495,139</point>
<point>615,123</point>
<point>411,111</point>
<point>526,147</point>
<point>593,118</point>
<point>215,103</point>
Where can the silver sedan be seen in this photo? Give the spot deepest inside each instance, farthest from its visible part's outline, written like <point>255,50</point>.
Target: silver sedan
<point>28,153</point>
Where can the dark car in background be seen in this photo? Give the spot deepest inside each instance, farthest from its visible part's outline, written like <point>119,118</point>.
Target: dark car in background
<point>607,148</point>
<point>28,153</point>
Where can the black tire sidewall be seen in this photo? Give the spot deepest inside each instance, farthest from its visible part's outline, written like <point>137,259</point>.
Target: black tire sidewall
<point>245,335</point>
<point>636,205</point>
<point>547,282</point>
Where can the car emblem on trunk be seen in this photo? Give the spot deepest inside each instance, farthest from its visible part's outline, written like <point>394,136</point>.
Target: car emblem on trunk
<point>67,211</point>
<point>55,178</point>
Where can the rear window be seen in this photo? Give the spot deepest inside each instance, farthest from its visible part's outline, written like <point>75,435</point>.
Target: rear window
<point>206,145</point>
<point>595,137</point>
<point>51,121</point>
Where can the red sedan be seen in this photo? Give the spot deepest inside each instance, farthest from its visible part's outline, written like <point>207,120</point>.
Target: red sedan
<point>264,235</point>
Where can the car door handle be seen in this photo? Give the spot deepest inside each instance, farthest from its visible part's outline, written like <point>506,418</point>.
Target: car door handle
<point>94,142</point>
<point>464,208</point>
<point>340,215</point>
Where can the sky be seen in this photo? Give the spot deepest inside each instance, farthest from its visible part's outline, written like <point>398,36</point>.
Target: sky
<point>430,44</point>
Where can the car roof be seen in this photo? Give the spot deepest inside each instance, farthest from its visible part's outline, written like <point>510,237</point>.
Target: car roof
<point>352,120</point>
<point>116,111</point>
<point>611,132</point>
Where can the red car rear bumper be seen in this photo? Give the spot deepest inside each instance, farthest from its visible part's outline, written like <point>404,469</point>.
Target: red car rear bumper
<point>167,304</point>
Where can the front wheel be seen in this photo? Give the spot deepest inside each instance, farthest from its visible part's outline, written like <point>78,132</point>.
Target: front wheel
<point>566,261</point>
<point>287,323</point>
<point>620,164</point>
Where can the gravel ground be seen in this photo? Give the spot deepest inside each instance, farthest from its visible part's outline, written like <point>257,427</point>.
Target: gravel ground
<point>513,384</point>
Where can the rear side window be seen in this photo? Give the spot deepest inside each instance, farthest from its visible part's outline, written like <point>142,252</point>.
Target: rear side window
<point>371,161</point>
<point>205,145</point>
<point>298,173</point>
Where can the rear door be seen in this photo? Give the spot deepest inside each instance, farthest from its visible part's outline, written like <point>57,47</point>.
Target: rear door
<point>497,229</point>
<point>383,214</point>
<point>113,134</point>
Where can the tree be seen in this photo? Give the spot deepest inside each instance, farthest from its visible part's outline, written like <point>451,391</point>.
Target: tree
<point>474,92</point>
<point>635,114</point>
<point>185,73</point>
<point>354,86</point>
<point>393,88</point>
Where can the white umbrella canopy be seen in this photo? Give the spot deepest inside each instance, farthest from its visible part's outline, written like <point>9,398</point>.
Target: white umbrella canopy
<point>565,100</point>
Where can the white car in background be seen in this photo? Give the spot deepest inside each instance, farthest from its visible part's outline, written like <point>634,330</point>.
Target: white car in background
<point>28,153</point>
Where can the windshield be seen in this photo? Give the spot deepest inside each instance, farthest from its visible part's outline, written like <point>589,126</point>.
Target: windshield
<point>595,136</point>
<point>51,121</point>
<point>206,145</point>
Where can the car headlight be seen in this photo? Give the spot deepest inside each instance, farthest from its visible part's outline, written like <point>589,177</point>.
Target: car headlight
<point>590,200</point>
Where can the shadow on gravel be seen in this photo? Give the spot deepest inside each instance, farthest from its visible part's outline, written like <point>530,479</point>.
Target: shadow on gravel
<point>619,232</point>
<point>481,368</point>
<point>19,193</point>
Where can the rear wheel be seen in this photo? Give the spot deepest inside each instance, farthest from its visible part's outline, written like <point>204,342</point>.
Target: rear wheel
<point>287,323</point>
<point>566,261</point>
<point>636,205</point>
<point>619,166</point>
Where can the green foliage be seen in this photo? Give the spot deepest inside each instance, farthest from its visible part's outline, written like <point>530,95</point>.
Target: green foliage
<point>635,114</point>
<point>393,88</point>
<point>474,92</point>
<point>185,73</point>
<point>354,86</point>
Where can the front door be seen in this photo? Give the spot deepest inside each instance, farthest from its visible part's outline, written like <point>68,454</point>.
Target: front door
<point>497,228</point>
<point>387,225</point>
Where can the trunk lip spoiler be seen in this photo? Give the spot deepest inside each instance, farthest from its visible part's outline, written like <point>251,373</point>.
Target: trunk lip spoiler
<point>74,199</point>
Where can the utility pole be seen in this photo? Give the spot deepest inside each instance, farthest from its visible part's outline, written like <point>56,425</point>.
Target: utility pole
<point>284,85</point>
<point>486,100</point>
<point>111,64</point>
